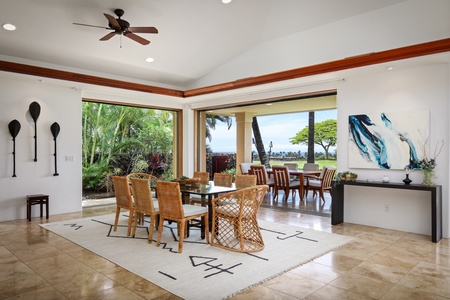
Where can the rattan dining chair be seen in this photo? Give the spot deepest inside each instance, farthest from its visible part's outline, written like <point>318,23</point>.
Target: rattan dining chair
<point>144,205</point>
<point>171,208</point>
<point>141,175</point>
<point>243,181</point>
<point>204,177</point>
<point>283,182</point>
<point>235,226</point>
<point>123,200</point>
<point>223,179</point>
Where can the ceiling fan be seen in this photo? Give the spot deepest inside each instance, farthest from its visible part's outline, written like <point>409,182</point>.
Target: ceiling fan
<point>122,27</point>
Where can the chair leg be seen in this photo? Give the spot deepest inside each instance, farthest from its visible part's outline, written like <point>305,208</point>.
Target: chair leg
<point>160,228</point>
<point>117,218</point>
<point>181,236</point>
<point>151,228</point>
<point>135,221</point>
<point>206,221</point>
<point>130,221</point>
<point>321,195</point>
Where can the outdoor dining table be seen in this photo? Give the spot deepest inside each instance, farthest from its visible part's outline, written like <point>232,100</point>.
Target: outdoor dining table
<point>207,192</point>
<point>301,174</point>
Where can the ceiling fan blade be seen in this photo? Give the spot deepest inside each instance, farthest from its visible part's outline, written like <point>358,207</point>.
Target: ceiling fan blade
<point>143,29</point>
<point>136,38</point>
<point>112,21</point>
<point>108,36</point>
<point>103,27</point>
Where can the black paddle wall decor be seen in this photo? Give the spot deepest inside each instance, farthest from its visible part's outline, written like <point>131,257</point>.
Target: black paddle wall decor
<point>14,128</point>
<point>35,111</point>
<point>55,131</point>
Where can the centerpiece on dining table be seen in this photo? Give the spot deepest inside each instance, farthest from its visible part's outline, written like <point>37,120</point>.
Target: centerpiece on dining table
<point>186,181</point>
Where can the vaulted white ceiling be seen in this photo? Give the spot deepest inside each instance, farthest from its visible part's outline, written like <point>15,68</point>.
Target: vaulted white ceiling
<point>196,37</point>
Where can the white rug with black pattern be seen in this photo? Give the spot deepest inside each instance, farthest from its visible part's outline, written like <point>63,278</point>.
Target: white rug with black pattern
<point>201,271</point>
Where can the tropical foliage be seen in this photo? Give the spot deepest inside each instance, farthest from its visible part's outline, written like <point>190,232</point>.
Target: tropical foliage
<point>212,120</point>
<point>121,139</point>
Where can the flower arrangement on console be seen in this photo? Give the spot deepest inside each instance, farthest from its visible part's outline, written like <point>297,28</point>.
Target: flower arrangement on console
<point>428,163</point>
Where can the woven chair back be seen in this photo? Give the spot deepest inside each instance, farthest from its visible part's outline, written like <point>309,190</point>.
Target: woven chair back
<point>169,199</point>
<point>261,174</point>
<point>122,192</point>
<point>223,179</point>
<point>142,194</point>
<point>141,175</point>
<point>243,181</point>
<point>204,177</point>
<point>235,225</point>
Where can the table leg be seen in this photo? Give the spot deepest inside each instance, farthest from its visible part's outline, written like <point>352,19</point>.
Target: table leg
<point>46,208</point>
<point>302,186</point>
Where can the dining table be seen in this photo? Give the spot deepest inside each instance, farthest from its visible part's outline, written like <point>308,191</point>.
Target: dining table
<point>207,192</point>
<point>301,174</point>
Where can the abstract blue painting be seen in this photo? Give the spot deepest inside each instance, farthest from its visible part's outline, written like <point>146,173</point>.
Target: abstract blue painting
<point>387,140</point>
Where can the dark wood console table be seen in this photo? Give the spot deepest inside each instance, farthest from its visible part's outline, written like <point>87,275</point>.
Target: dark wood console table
<point>337,204</point>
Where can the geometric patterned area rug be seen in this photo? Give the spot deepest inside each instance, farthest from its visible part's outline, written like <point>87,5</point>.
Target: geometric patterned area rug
<point>201,271</point>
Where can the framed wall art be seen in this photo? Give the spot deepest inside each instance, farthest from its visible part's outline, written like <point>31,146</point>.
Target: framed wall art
<point>387,140</point>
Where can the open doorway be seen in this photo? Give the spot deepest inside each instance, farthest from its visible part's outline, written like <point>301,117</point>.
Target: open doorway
<point>279,123</point>
<point>121,139</point>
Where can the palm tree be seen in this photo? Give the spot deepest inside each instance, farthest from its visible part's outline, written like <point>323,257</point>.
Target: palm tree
<point>259,143</point>
<point>211,121</point>
<point>310,158</point>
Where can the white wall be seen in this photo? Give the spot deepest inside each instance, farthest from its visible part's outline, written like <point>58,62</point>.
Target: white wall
<point>418,88</point>
<point>58,104</point>
<point>406,23</point>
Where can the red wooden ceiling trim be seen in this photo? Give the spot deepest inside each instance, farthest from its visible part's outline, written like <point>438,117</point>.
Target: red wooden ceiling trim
<point>337,65</point>
<point>83,78</point>
<point>428,48</point>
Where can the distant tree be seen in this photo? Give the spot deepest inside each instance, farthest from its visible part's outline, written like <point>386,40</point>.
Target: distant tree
<point>325,135</point>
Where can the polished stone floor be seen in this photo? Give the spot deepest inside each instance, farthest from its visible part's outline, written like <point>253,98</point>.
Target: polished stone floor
<point>378,264</point>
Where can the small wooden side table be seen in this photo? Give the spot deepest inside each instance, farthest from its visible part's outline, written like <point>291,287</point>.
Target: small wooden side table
<point>40,199</point>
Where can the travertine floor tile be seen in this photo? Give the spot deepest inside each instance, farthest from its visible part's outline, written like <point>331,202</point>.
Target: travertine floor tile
<point>21,284</point>
<point>337,261</point>
<point>262,292</point>
<point>399,292</point>
<point>379,272</point>
<point>318,272</point>
<point>331,292</point>
<point>294,285</point>
<point>362,285</point>
<point>40,294</point>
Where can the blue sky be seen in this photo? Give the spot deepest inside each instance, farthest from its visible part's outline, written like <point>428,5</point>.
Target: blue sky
<point>277,128</point>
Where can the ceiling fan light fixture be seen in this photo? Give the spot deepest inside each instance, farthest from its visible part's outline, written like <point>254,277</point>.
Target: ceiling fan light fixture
<point>9,27</point>
<point>149,59</point>
<point>226,1</point>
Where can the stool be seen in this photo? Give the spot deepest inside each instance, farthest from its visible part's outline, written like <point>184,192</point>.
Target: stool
<point>37,199</point>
